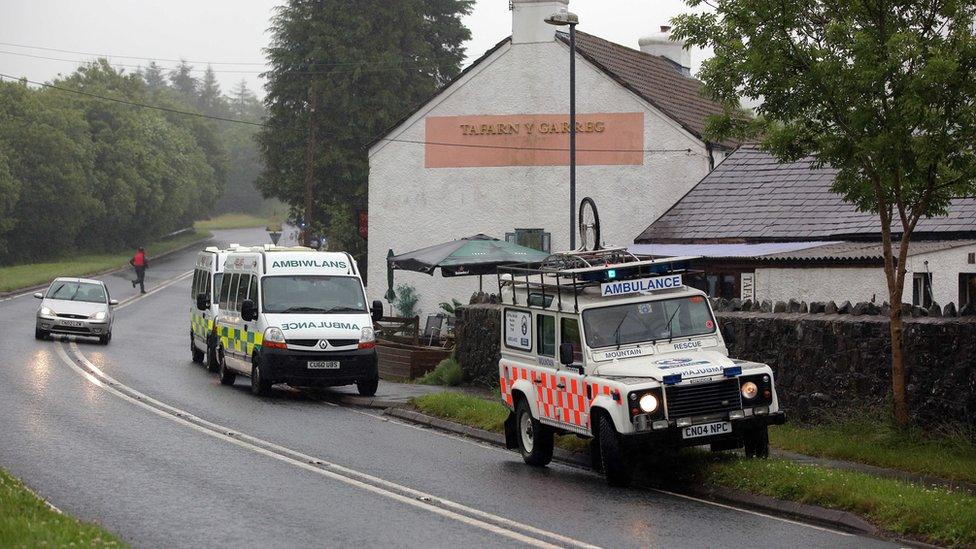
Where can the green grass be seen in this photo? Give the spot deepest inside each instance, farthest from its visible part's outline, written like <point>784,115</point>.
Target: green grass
<point>25,276</point>
<point>232,221</point>
<point>936,515</point>
<point>949,455</point>
<point>26,521</point>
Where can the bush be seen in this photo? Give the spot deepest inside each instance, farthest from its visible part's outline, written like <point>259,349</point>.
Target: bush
<point>448,372</point>
<point>406,301</point>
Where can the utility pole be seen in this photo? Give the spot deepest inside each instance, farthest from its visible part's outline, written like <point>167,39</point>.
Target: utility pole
<point>310,164</point>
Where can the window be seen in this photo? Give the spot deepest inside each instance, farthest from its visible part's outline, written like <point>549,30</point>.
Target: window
<point>252,291</point>
<point>922,289</point>
<point>87,292</point>
<point>967,289</point>
<point>546,329</point>
<point>536,239</point>
<point>569,332</point>
<point>242,291</point>
<point>224,292</point>
<point>195,287</point>
<point>217,279</point>
<point>648,321</point>
<point>304,294</point>
<point>232,292</point>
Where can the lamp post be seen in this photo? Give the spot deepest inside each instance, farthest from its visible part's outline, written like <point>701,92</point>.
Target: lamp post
<point>564,18</point>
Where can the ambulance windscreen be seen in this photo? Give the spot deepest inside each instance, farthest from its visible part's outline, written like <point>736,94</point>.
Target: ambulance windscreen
<point>313,295</point>
<point>647,321</point>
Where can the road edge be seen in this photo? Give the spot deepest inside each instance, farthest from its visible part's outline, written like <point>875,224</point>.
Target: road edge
<point>113,270</point>
<point>840,520</point>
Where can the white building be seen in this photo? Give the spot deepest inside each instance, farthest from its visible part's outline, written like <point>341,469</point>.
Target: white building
<point>489,154</point>
<point>769,230</point>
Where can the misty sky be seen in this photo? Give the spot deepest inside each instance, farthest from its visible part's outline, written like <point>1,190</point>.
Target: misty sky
<point>235,31</point>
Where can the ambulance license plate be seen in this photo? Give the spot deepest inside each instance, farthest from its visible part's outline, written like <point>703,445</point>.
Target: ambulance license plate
<point>323,365</point>
<point>708,429</point>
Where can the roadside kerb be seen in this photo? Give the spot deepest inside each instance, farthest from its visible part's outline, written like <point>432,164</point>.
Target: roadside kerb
<point>113,270</point>
<point>841,520</point>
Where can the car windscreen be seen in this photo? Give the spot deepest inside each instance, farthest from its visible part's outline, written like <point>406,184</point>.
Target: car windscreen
<point>647,321</point>
<point>77,291</point>
<point>313,294</point>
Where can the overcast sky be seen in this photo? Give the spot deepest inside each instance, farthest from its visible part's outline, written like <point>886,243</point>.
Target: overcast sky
<point>235,31</point>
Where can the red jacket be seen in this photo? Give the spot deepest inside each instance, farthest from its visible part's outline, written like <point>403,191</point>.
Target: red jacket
<point>139,260</point>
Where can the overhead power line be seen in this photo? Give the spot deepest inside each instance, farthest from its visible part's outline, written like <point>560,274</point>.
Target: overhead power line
<point>140,57</point>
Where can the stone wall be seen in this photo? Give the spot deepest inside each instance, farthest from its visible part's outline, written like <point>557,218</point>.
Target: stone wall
<point>823,363</point>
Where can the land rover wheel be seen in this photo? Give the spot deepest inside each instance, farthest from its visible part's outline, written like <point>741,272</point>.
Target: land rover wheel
<point>615,466</point>
<point>367,387</point>
<point>260,384</point>
<point>535,439</point>
<point>195,354</point>
<point>227,377</point>
<point>757,443</point>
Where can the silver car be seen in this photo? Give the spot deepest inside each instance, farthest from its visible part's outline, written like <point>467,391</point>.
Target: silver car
<point>75,306</point>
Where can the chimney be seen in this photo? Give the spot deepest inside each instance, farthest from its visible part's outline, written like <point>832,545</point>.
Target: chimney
<point>528,20</point>
<point>660,44</point>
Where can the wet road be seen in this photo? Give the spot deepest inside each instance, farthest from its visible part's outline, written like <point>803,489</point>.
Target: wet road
<point>136,437</point>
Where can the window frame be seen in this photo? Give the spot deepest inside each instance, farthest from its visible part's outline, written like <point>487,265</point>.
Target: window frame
<point>539,337</point>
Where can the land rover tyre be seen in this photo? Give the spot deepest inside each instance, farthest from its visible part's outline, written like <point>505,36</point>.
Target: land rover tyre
<point>535,440</point>
<point>367,387</point>
<point>227,377</point>
<point>196,354</point>
<point>260,383</point>
<point>105,338</point>
<point>40,334</point>
<point>757,443</point>
<point>213,365</point>
<point>614,464</point>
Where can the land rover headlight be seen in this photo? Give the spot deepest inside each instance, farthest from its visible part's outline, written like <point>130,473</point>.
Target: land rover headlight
<point>45,311</point>
<point>100,315</point>
<point>749,390</point>
<point>367,338</point>
<point>648,403</point>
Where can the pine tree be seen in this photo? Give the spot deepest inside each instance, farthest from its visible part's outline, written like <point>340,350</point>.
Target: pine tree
<point>183,81</point>
<point>153,76</point>
<point>210,100</point>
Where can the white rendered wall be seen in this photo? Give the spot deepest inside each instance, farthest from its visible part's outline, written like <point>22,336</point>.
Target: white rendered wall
<point>411,207</point>
<point>945,267</point>
<point>837,284</point>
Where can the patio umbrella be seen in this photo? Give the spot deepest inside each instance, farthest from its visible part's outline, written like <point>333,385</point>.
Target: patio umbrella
<point>476,255</point>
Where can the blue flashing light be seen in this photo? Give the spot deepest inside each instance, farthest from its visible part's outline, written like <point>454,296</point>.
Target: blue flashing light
<point>672,379</point>
<point>733,371</point>
<point>611,273</point>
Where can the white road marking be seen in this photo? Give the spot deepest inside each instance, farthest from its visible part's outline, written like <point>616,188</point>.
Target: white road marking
<point>473,517</point>
<point>165,284</point>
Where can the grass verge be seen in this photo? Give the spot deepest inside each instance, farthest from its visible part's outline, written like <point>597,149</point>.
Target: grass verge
<point>947,455</point>
<point>231,221</point>
<point>936,515</point>
<point>34,274</point>
<point>26,521</point>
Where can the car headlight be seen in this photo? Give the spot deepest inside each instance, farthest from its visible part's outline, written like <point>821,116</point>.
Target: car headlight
<point>367,338</point>
<point>100,315</point>
<point>274,338</point>
<point>648,403</point>
<point>45,311</point>
<point>749,390</point>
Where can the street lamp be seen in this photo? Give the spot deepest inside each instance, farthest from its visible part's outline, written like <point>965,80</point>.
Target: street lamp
<point>563,18</point>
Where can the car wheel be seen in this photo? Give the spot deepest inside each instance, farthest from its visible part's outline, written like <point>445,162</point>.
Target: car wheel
<point>105,338</point>
<point>535,439</point>
<point>196,354</point>
<point>260,385</point>
<point>40,334</point>
<point>367,388</point>
<point>227,377</point>
<point>615,466</point>
<point>757,443</point>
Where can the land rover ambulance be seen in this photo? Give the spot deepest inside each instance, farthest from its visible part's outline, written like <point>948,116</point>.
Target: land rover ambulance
<point>297,316</point>
<point>207,274</point>
<point>615,347</point>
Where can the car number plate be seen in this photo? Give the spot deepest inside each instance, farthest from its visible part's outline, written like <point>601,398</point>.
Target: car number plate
<point>71,323</point>
<point>708,429</point>
<point>323,365</point>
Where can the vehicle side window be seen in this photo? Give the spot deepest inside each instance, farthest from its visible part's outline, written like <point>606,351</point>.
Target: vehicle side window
<point>232,293</point>
<point>546,329</point>
<point>217,283</point>
<point>196,284</point>
<point>569,332</point>
<point>242,291</point>
<point>206,285</point>
<point>224,292</point>
<point>252,292</point>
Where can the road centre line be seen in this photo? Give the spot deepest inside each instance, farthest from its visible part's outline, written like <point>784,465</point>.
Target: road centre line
<point>162,286</point>
<point>511,529</point>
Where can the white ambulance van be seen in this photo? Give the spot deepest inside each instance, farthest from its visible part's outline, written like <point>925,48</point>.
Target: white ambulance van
<point>615,347</point>
<point>297,316</point>
<point>207,274</point>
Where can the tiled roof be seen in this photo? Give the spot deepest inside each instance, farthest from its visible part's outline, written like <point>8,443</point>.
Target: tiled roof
<point>656,79</point>
<point>751,197</point>
<point>864,250</point>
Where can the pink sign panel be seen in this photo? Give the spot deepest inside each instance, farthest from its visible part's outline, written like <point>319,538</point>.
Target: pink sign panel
<point>534,140</point>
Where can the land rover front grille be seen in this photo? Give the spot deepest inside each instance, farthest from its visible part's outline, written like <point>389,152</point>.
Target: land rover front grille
<point>703,399</point>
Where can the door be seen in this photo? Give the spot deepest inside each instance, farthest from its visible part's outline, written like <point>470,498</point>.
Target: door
<point>544,379</point>
<point>572,407</point>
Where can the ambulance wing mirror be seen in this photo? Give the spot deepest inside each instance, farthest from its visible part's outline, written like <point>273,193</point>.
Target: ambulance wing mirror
<point>249,310</point>
<point>202,302</point>
<point>376,311</point>
<point>566,354</point>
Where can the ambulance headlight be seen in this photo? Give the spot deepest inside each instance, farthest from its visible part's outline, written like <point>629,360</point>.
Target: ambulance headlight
<point>274,338</point>
<point>100,315</point>
<point>45,311</point>
<point>749,390</point>
<point>367,338</point>
<point>648,403</point>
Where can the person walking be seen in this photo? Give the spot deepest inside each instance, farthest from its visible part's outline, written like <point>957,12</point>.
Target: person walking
<point>141,263</point>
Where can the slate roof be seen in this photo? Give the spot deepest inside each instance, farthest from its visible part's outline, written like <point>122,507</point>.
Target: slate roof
<point>864,250</point>
<point>751,197</point>
<point>654,78</point>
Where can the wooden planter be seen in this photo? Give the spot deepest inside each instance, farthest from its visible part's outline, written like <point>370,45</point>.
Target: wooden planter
<point>399,361</point>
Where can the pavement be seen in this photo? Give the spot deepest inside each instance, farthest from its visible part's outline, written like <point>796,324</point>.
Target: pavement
<point>136,437</point>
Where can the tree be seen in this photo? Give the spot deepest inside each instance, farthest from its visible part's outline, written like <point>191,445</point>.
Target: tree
<point>183,82</point>
<point>367,63</point>
<point>882,90</point>
<point>153,76</point>
<point>210,100</point>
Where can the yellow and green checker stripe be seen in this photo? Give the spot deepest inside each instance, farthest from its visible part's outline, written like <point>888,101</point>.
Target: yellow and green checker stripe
<point>199,325</point>
<point>239,341</point>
